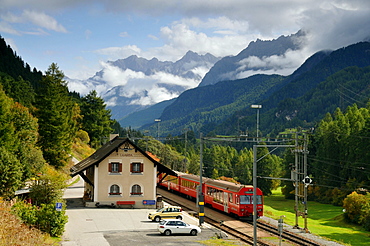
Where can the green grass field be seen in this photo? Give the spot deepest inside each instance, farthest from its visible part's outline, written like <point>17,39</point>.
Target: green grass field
<point>323,220</point>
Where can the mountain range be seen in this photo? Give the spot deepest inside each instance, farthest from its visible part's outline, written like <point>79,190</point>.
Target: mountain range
<point>258,56</point>
<point>325,81</point>
<point>134,83</point>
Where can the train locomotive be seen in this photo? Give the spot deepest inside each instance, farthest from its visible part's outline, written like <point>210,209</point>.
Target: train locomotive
<point>231,198</point>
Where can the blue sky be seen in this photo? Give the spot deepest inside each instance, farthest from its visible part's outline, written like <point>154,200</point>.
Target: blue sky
<point>79,35</point>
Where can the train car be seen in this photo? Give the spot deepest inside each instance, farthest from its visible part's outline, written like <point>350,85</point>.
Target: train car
<point>231,198</point>
<point>235,199</point>
<point>189,184</point>
<point>169,182</point>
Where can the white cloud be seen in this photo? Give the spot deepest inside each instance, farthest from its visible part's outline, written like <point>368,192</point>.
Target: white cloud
<point>146,90</point>
<point>153,37</point>
<point>88,34</point>
<point>179,38</point>
<point>123,34</point>
<point>115,76</point>
<point>39,19</point>
<point>284,64</point>
<point>114,53</point>
<point>6,28</point>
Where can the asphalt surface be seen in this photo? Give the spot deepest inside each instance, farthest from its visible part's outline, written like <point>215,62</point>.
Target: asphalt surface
<point>111,226</point>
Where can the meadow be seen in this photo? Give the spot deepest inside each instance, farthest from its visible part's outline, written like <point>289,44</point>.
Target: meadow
<point>324,220</point>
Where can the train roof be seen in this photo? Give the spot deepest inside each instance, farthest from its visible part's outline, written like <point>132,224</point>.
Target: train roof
<point>192,177</point>
<point>222,184</point>
<point>226,185</point>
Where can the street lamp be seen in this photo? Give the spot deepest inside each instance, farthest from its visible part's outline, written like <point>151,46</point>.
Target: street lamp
<point>158,121</point>
<point>257,106</point>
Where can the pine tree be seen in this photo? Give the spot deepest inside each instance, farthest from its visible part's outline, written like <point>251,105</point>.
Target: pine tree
<point>96,119</point>
<point>58,116</point>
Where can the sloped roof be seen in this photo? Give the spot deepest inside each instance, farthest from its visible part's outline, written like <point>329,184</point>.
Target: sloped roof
<point>107,149</point>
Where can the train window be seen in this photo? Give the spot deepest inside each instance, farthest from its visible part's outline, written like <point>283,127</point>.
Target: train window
<point>231,197</point>
<point>245,199</point>
<point>259,199</point>
<point>237,199</point>
<point>249,199</point>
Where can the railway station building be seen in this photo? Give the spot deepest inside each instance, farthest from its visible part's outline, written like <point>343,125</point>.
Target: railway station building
<point>120,174</point>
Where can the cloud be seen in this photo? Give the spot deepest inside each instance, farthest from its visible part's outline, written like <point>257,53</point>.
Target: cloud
<point>123,34</point>
<point>6,28</point>
<point>38,19</point>
<point>145,90</point>
<point>180,38</point>
<point>114,53</point>
<point>289,60</point>
<point>284,64</point>
<point>153,37</point>
<point>114,76</point>
<point>88,34</point>
<point>337,25</point>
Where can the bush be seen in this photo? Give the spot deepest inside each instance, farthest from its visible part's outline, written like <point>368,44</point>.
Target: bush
<point>45,218</point>
<point>357,207</point>
<point>14,232</point>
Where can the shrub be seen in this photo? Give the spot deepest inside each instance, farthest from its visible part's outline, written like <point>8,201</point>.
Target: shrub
<point>357,208</point>
<point>45,218</point>
<point>14,232</point>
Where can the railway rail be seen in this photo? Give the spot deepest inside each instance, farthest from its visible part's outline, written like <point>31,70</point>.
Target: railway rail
<point>288,236</point>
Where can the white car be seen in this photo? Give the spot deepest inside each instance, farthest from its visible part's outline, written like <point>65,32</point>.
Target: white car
<point>174,226</point>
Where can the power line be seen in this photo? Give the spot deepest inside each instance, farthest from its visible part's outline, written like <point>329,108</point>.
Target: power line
<point>337,160</point>
<point>357,94</point>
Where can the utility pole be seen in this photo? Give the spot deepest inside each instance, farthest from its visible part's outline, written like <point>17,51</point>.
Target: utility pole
<point>158,122</point>
<point>296,183</point>
<point>301,181</point>
<point>200,194</point>
<point>258,107</point>
<point>307,181</point>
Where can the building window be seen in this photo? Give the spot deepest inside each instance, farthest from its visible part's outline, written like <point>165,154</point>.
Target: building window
<point>115,167</point>
<point>114,190</point>
<point>136,190</point>
<point>136,167</point>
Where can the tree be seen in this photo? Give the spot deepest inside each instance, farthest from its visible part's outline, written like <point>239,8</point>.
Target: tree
<point>10,168</point>
<point>10,173</point>
<point>96,118</point>
<point>58,117</point>
<point>268,166</point>
<point>26,135</point>
<point>48,187</point>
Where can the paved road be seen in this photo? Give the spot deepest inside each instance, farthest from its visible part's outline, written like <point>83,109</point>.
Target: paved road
<point>111,227</point>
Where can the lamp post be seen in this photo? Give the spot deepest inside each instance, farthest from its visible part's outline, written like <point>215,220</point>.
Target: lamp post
<point>257,106</point>
<point>158,121</point>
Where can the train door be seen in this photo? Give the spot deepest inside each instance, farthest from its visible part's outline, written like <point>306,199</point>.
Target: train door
<point>226,202</point>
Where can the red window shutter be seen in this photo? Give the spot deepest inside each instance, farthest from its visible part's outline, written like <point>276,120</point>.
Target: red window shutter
<point>110,167</point>
<point>120,167</point>
<point>141,167</point>
<point>131,167</point>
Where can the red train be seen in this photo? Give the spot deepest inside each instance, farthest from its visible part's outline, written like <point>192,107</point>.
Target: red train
<point>235,199</point>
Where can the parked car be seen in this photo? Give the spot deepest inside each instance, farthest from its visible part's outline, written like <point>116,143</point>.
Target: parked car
<point>174,226</point>
<point>168,212</point>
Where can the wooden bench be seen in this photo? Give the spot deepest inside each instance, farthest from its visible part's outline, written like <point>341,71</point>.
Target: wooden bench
<point>121,203</point>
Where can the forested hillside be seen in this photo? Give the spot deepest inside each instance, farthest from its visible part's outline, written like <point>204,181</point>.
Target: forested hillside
<point>40,120</point>
<point>300,99</point>
<point>211,105</point>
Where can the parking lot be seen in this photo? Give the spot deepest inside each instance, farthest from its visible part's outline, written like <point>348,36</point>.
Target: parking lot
<point>111,226</point>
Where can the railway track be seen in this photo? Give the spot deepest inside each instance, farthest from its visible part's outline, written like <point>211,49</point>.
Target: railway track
<point>287,236</point>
